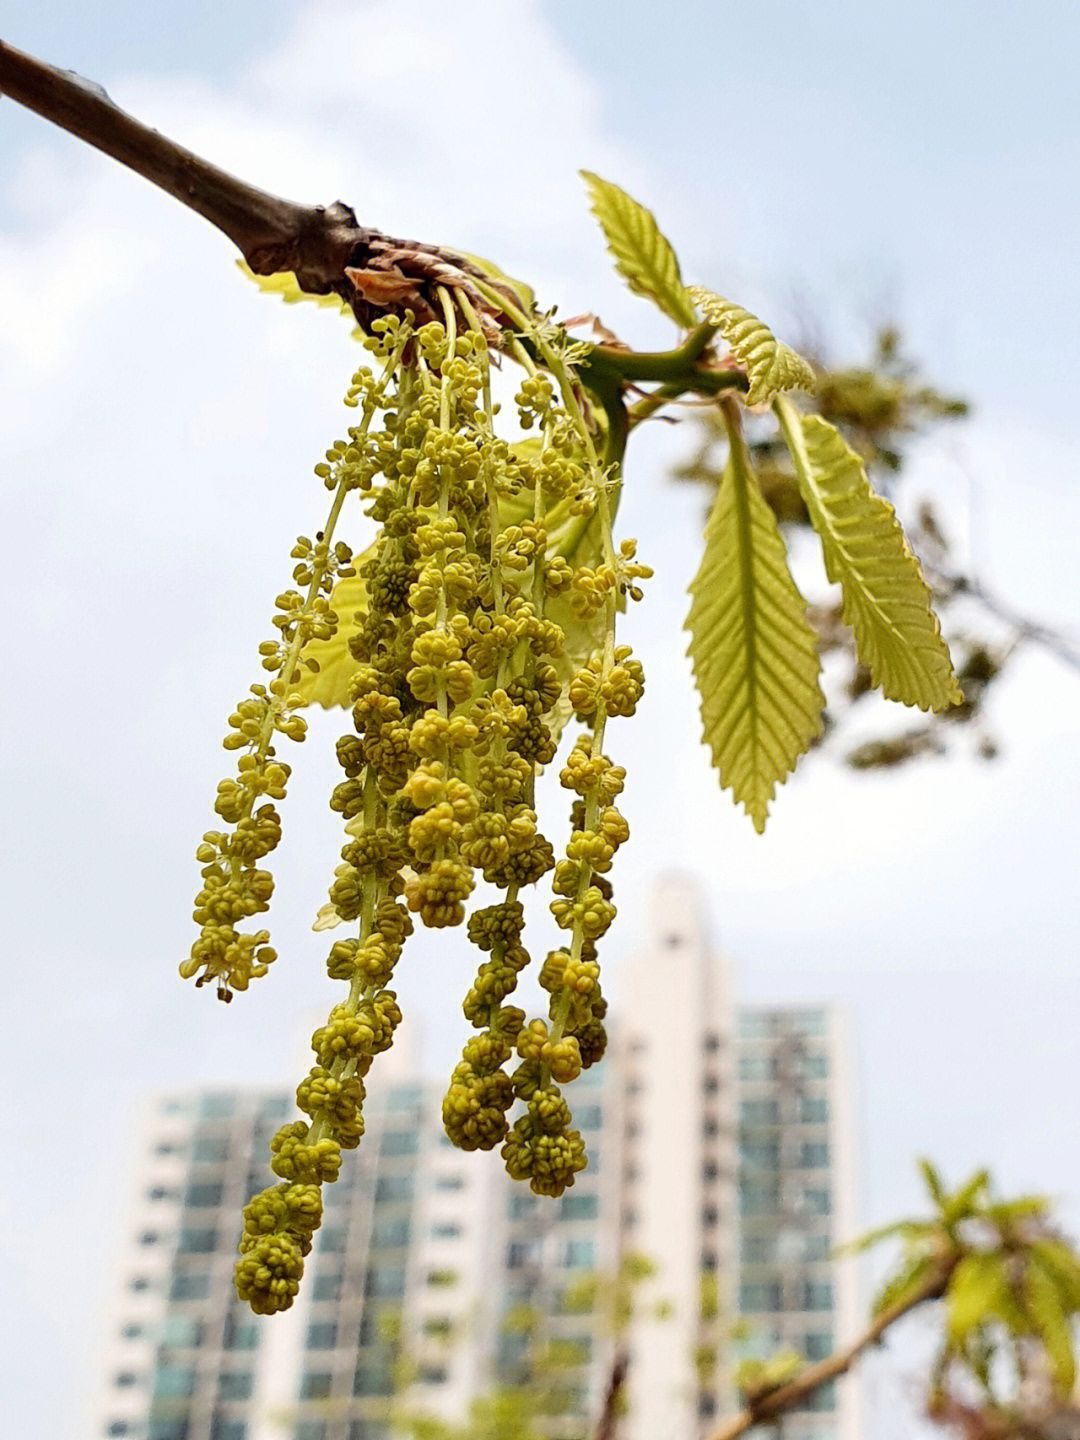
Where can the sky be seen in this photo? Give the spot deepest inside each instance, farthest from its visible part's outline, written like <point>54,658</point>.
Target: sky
<point>158,425</point>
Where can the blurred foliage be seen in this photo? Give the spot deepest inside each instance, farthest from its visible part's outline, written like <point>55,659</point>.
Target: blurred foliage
<point>1010,1285</point>
<point>881,408</point>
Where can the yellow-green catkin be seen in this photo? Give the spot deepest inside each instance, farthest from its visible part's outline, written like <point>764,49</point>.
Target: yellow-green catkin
<point>486,555</point>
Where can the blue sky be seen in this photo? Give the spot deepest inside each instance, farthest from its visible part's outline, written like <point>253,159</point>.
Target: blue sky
<point>159,424</point>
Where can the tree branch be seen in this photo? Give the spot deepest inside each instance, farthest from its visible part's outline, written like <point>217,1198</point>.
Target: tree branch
<point>320,244</point>
<point>787,1397</point>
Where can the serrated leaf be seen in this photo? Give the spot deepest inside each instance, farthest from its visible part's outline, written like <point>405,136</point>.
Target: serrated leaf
<point>886,601</point>
<point>974,1295</point>
<point>329,685</point>
<point>643,255</point>
<point>1044,1303</point>
<point>754,654</point>
<point>770,365</point>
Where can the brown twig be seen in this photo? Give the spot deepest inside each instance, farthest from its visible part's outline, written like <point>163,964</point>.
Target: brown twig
<point>787,1397</point>
<point>605,1427</point>
<point>322,245</point>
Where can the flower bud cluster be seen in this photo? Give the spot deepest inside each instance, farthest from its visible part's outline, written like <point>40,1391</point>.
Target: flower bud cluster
<point>461,681</point>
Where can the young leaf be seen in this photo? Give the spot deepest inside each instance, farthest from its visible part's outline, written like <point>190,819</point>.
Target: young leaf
<point>906,1282</point>
<point>329,685</point>
<point>886,600</point>
<point>770,366</point>
<point>643,255</point>
<point>754,654</point>
<point>1044,1303</point>
<point>974,1295</point>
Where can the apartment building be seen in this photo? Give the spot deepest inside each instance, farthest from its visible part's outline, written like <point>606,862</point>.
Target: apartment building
<point>720,1149</point>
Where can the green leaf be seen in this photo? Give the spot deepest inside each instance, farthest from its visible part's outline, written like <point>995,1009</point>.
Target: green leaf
<point>285,286</point>
<point>643,256</point>
<point>329,685</point>
<point>964,1203</point>
<point>907,1230</point>
<point>933,1183</point>
<point>975,1294</point>
<point>770,366</point>
<point>1044,1303</point>
<point>886,601</point>
<point>754,654</point>
<point>906,1282</point>
<point>1062,1264</point>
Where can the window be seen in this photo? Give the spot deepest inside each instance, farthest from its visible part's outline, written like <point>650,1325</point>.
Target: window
<point>588,1117</point>
<point>322,1335</point>
<point>181,1331</point>
<point>817,1201</point>
<point>438,1326</point>
<point>125,1380</point>
<point>816,1067</point>
<point>387,1280</point>
<point>706,1406</point>
<point>118,1427</point>
<point>758,1249</point>
<point>215,1107</point>
<point>579,1255</point>
<point>138,1282</point>
<point>316,1385</point>
<point>222,1429</point>
<point>757,1067</point>
<point>759,1197</point>
<point>759,1112</point>
<point>235,1385</point>
<point>580,1207</point>
<point>817,1295</point>
<point>756,1296</point>
<point>569,1350</point>
<point>327,1286</point>
<point>159,1192</point>
<point>815,1110</point>
<point>193,1285</point>
<point>241,1331</point>
<point>373,1380</point>
<point>403,1097</point>
<point>211,1149</point>
<point>132,1332</point>
<point>761,1154</point>
<point>310,1430</point>
<point>168,1429</point>
<point>367,1430</point>
<point>173,1384</point>
<point>446,1230</point>
<point>810,1022</point>
<point>204,1196</point>
<point>149,1237</point>
<point>389,1234</point>
<point>431,1374</point>
<point>394,1187</point>
<point>198,1242</point>
<point>522,1252</point>
<point>823,1398</point>
<point>449,1182</point>
<point>817,1247</point>
<point>814,1154</point>
<point>332,1239</point>
<point>818,1344</point>
<point>756,1025</point>
<point>399,1142</point>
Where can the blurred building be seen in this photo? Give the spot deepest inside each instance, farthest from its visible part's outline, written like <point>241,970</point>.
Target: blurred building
<point>719,1147</point>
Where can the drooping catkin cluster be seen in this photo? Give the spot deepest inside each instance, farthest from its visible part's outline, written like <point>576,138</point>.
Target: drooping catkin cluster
<point>463,674</point>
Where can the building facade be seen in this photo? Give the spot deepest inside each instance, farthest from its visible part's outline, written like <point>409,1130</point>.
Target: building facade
<point>720,1154</point>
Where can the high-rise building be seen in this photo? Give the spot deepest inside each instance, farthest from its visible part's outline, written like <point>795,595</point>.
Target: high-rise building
<point>719,1148</point>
